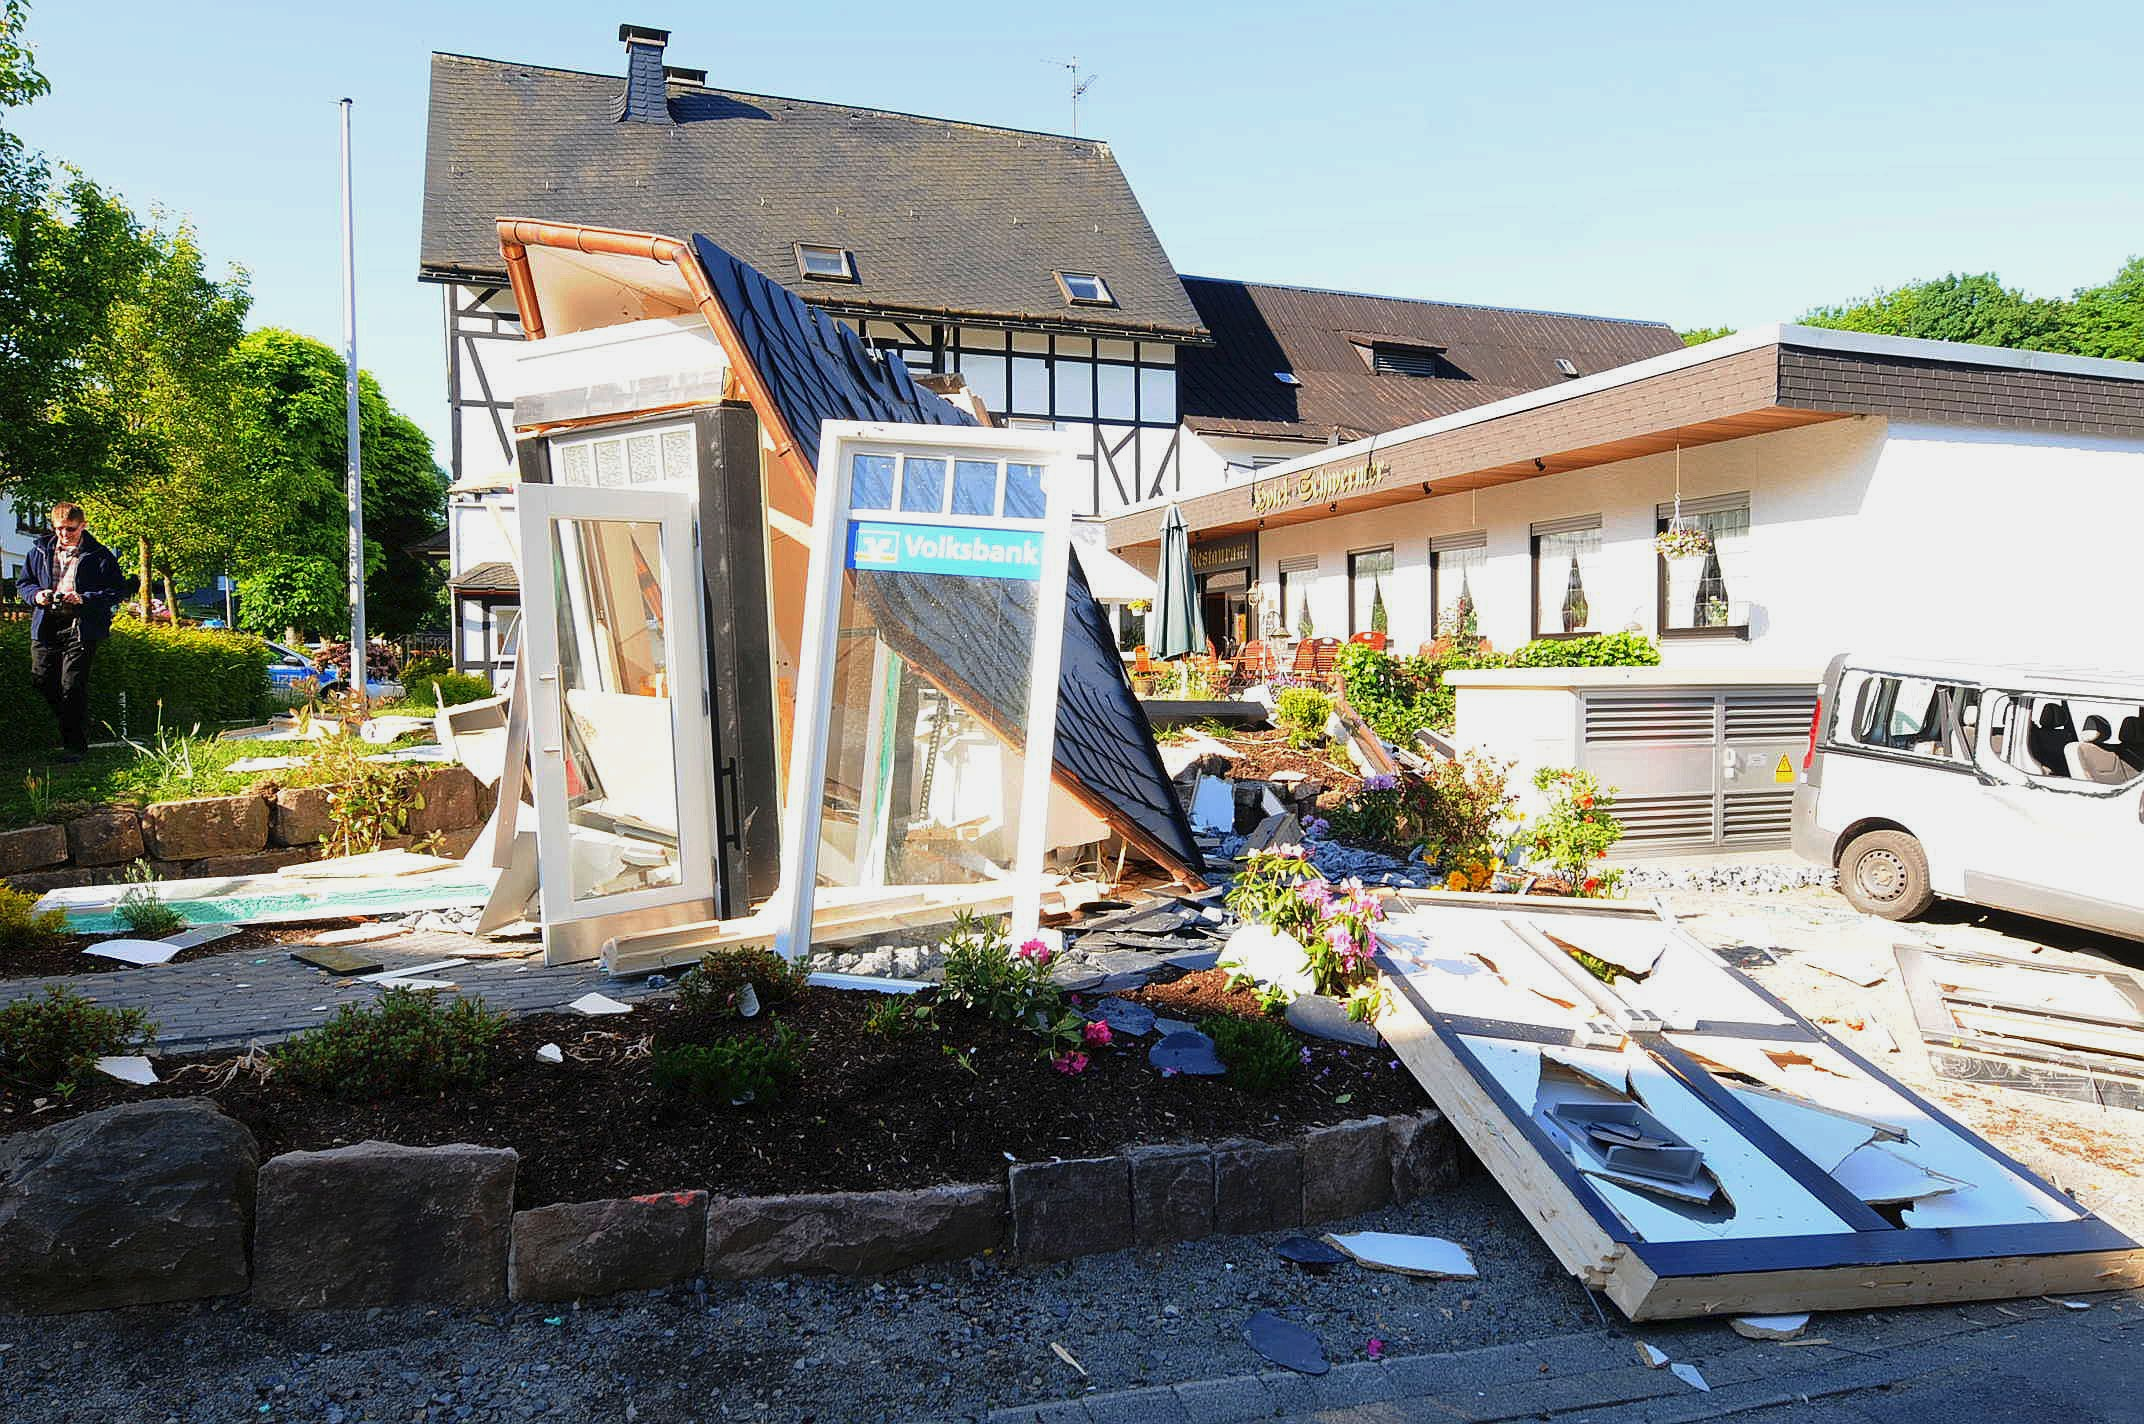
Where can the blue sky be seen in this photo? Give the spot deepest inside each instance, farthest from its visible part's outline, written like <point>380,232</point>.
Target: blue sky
<point>1689,163</point>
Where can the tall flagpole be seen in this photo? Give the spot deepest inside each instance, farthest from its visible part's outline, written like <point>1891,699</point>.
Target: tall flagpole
<point>349,396</point>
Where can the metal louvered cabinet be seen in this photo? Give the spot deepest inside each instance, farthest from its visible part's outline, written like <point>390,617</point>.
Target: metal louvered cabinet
<point>1698,768</point>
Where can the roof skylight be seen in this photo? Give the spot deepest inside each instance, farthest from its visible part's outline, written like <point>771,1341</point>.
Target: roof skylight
<point>820,263</point>
<point>1085,289</point>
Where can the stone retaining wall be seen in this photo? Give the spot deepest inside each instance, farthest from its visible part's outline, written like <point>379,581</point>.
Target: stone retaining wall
<point>162,1201</point>
<point>253,833</point>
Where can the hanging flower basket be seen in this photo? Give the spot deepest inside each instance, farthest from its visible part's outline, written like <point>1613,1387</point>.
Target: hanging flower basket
<point>1683,541</point>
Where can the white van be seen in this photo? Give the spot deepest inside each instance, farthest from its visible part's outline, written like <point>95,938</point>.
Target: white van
<point>2012,787</point>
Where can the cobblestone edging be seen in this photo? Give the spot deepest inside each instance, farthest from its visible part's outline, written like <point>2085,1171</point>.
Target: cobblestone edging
<point>248,834</point>
<point>382,1224</point>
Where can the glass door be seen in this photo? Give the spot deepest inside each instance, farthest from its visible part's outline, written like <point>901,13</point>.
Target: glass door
<point>614,657</point>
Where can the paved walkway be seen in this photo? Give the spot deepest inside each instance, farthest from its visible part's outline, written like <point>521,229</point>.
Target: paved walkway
<point>2026,1359</point>
<point>261,996</point>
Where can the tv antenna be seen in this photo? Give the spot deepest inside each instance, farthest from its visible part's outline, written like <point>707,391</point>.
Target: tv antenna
<point>1079,86</point>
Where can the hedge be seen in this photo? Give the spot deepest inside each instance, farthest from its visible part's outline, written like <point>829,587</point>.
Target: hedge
<point>1599,650</point>
<point>200,676</point>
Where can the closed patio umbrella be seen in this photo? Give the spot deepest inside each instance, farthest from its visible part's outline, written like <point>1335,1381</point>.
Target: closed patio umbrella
<point>1177,626</point>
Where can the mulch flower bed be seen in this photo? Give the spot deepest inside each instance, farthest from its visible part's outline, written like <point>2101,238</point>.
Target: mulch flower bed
<point>1260,754</point>
<point>951,1100</point>
<point>64,957</point>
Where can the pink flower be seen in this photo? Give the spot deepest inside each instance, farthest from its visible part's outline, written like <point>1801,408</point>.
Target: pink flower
<point>1097,1034</point>
<point>1340,937</point>
<point>1071,1063</point>
<point>1375,1348</point>
<point>1037,951</point>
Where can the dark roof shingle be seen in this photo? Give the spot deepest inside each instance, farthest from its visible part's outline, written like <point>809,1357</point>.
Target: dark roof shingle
<point>944,217</point>
<point>1494,352</point>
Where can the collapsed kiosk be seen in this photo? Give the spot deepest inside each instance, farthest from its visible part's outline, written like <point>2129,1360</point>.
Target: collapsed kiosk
<point>669,448</point>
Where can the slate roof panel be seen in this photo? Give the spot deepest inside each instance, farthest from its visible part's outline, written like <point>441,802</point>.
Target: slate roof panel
<point>943,217</point>
<point>818,370</point>
<point>1260,329</point>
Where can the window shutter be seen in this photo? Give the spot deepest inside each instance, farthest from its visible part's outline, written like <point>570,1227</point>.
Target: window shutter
<point>1708,504</point>
<point>1300,564</point>
<point>1574,524</point>
<point>1445,543</point>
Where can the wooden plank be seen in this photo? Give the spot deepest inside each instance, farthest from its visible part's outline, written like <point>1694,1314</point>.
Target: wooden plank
<point>1642,1295</point>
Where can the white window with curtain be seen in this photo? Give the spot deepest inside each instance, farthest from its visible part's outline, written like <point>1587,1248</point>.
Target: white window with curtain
<point>1297,575</point>
<point>1369,589</point>
<point>1455,565</point>
<point>1567,587</point>
<point>1709,594</point>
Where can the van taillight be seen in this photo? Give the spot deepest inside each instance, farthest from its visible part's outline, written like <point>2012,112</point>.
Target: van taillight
<point>1816,720</point>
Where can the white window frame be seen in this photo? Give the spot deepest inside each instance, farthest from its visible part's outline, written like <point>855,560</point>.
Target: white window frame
<point>839,441</point>
<point>1102,298</point>
<point>807,251</point>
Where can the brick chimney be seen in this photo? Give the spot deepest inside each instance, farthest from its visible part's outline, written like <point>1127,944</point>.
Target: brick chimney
<point>645,100</point>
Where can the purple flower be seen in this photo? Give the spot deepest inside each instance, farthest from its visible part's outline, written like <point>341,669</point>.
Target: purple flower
<point>1306,1053</point>
<point>1379,781</point>
<point>1340,937</point>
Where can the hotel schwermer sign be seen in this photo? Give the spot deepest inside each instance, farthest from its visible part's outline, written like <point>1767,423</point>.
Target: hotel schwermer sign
<point>1315,487</point>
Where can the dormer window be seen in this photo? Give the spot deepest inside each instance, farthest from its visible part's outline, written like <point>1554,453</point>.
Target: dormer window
<point>1286,378</point>
<point>1085,289</point>
<point>1567,366</point>
<point>817,263</point>
<point>1392,359</point>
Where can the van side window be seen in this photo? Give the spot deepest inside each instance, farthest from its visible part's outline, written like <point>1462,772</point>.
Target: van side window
<point>2070,741</point>
<point>1913,716</point>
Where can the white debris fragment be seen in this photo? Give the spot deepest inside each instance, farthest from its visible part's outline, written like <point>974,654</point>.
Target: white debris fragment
<point>128,1068</point>
<point>1213,804</point>
<point>1429,1256</point>
<point>1853,971</point>
<point>1651,1356</point>
<point>1688,1375</point>
<point>360,934</point>
<point>134,951</point>
<point>551,1053</point>
<point>595,1004</point>
<point>1769,1327</point>
<point>2067,1304</point>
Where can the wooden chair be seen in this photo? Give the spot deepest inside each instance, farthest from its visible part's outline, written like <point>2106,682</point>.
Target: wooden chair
<point>1255,662</point>
<point>1141,662</point>
<point>1304,667</point>
<point>1325,658</point>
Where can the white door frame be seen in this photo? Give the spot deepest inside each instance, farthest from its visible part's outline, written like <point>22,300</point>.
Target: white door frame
<point>1057,453</point>
<point>576,929</point>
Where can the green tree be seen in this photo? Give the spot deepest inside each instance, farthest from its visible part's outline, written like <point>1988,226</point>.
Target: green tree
<point>290,428</point>
<point>2108,320</point>
<point>68,251</point>
<point>1699,335</point>
<point>161,380</point>
<point>1977,308</point>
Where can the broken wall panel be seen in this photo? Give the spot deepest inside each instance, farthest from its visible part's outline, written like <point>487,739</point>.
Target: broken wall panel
<point>1824,1182</point>
<point>2058,1030</point>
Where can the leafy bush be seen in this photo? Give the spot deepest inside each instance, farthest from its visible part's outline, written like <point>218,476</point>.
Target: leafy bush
<point>715,988</point>
<point>1302,713</point>
<point>22,928</point>
<point>1577,829</point>
<point>897,1017</point>
<point>1012,987</point>
<point>48,1043</point>
<point>199,675</point>
<point>407,1042</point>
<point>1397,695</point>
<point>425,666</point>
<point>1458,810</point>
<point>1262,1056</point>
<point>1264,892</point>
<point>735,1071</point>
<point>1599,650</point>
<point>1187,680</point>
<point>445,689</point>
<point>142,910</point>
<point>368,801</point>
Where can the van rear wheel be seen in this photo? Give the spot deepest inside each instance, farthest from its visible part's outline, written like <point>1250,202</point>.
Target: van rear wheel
<point>1885,873</point>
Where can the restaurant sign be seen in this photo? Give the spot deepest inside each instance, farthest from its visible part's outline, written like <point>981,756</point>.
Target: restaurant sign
<point>1315,486</point>
<point>1237,553</point>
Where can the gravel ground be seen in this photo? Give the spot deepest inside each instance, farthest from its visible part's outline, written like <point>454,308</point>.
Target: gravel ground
<point>930,1343</point>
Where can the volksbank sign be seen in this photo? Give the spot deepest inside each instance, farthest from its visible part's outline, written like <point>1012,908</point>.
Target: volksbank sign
<point>945,549</point>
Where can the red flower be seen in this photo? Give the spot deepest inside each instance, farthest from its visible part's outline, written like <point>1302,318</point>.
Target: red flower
<point>1585,802</point>
<point>1593,883</point>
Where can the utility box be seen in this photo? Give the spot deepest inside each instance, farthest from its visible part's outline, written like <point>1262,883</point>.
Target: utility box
<point>1701,759</point>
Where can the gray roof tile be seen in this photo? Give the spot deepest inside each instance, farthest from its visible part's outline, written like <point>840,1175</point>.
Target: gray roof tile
<point>944,217</point>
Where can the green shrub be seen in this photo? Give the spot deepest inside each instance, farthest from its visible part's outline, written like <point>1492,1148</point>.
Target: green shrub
<point>47,1044</point>
<point>897,1017</point>
<point>1398,695</point>
<point>1261,1055</point>
<point>368,801</point>
<point>714,988</point>
<point>142,910</point>
<point>1302,713</point>
<point>1012,987</point>
<point>199,675</point>
<point>1577,830</point>
<point>424,667</point>
<point>1598,650</point>
<point>407,1042</point>
<point>735,1071</point>
<point>22,928</point>
<point>444,689</point>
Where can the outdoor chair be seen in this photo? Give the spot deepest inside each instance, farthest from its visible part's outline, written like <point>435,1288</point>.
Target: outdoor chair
<point>1325,658</point>
<point>1371,639</point>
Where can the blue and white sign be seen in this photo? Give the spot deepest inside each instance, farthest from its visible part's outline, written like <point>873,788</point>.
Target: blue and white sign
<point>945,549</point>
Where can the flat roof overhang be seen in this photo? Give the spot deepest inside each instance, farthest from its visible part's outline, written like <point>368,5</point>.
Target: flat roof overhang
<point>1775,378</point>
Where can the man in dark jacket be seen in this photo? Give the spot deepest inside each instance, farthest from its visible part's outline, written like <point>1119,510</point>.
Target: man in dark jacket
<point>73,583</point>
